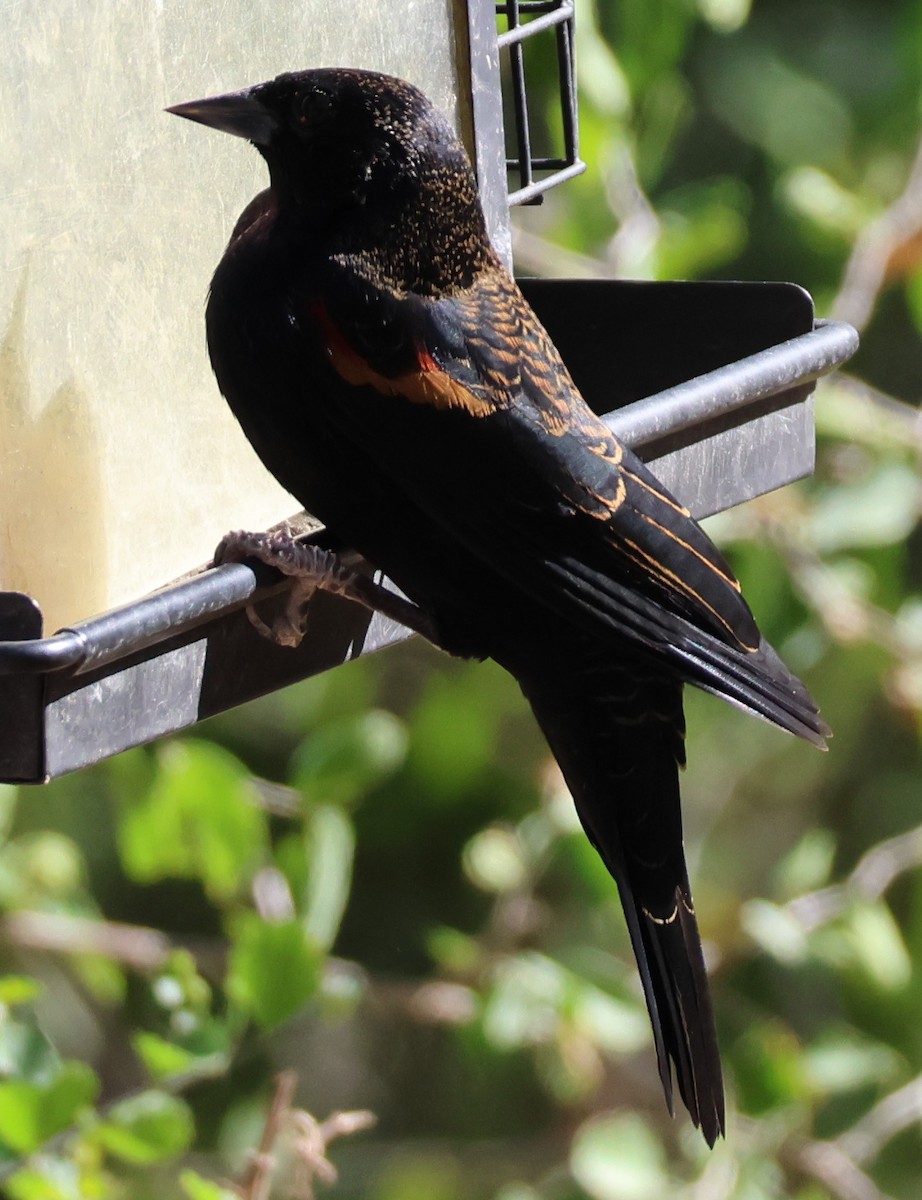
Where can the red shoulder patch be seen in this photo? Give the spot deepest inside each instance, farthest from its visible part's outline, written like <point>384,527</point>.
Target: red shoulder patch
<point>427,384</point>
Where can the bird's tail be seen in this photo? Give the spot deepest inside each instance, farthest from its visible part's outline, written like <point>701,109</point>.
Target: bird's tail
<point>617,734</point>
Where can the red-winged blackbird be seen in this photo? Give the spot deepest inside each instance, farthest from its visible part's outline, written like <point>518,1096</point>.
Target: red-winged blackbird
<point>391,376</point>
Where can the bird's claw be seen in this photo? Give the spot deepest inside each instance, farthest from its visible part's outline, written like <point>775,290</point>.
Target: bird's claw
<point>311,567</point>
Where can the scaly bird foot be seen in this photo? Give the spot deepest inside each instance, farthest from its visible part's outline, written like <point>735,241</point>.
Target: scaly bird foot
<point>312,568</point>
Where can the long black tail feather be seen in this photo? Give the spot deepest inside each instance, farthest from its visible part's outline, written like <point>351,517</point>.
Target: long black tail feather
<point>617,735</point>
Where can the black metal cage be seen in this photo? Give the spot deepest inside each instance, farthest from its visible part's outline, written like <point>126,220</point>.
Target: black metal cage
<point>525,20</point>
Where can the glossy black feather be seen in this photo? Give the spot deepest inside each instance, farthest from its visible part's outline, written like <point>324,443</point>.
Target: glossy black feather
<point>390,374</point>
<point>617,733</point>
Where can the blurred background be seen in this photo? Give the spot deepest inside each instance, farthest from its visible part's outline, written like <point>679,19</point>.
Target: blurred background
<point>376,880</point>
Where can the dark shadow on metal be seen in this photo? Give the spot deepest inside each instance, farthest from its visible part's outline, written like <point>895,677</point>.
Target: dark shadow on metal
<point>711,386</point>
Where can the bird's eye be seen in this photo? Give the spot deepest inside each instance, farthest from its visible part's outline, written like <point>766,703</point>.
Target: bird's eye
<point>310,108</point>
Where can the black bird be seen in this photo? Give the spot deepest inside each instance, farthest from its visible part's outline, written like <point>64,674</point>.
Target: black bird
<point>390,374</point>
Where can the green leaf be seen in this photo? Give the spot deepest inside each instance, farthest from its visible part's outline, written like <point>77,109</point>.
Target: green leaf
<point>610,1023</point>
<point>342,989</point>
<point>102,977</point>
<point>526,1000</point>
<point>420,1176</point>
<point>517,1191</point>
<point>880,509</point>
<point>30,1113</point>
<point>878,945</point>
<point>725,15</point>
<point>274,968</point>
<point>808,866</point>
<point>148,1128</point>
<point>75,1087</point>
<point>20,1116</point>
<point>51,862</point>
<point>456,953</point>
<point>914,298</point>
<point>180,986</point>
<point>9,794</point>
<point>18,989</point>
<point>842,1061</point>
<point>48,1178</point>
<point>329,851</point>
<point>774,930</point>
<point>343,760</point>
<point>160,1057</point>
<point>820,198</point>
<point>197,1187</point>
<point>453,734</point>
<point>703,227</point>
<point>199,819</point>
<point>768,1062</point>
<point>792,117</point>
<point>619,1158</point>
<point>26,1053</point>
<point>494,861</point>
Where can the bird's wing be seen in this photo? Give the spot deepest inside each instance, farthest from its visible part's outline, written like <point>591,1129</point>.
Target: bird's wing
<point>533,483</point>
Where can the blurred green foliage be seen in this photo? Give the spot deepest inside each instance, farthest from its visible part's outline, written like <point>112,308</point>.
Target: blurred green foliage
<point>376,878</point>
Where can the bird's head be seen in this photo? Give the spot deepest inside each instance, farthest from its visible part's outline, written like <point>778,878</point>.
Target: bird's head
<point>337,140</point>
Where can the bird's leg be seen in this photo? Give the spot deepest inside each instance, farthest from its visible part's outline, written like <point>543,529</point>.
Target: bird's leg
<point>312,568</point>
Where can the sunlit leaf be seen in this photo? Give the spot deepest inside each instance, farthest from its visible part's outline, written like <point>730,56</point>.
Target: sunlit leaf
<point>342,989</point>
<point>525,1001</point>
<point>103,978</point>
<point>52,862</point>
<point>328,852</point>
<point>613,1024</point>
<point>452,735</point>
<point>842,1060</point>
<point>339,762</point>
<point>618,1157</point>
<point>914,297</point>
<point>790,116</point>
<point>25,1051</point>
<point>517,1191</point>
<point>31,1113</point>
<point>494,862</point>
<point>601,78</point>
<point>878,945</point>
<point>160,1057</point>
<point>9,794</point>
<point>725,15</point>
<point>49,1178</point>
<point>147,1128</point>
<point>454,951</point>
<point>768,1067</point>
<point>570,1067</point>
<point>775,930</point>
<point>817,195</point>
<point>197,1187</point>
<point>199,819</point>
<point>18,989</point>
<point>808,865</point>
<point>702,227</point>
<point>877,510</point>
<point>274,968</point>
<point>420,1176</point>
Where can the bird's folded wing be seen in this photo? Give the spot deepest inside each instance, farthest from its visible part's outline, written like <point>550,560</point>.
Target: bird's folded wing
<point>487,433</point>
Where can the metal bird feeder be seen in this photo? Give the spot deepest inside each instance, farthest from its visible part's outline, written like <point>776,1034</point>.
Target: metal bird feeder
<point>710,382</point>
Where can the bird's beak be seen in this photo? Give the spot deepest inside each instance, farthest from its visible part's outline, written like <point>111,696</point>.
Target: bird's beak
<point>240,113</point>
